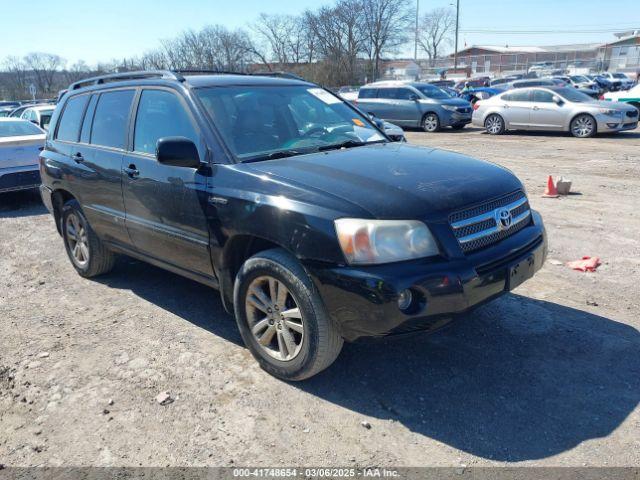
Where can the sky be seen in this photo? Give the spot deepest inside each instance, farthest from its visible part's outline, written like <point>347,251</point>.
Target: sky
<point>97,31</point>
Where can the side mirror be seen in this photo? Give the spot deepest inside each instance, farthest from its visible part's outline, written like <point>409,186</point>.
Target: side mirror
<point>35,121</point>
<point>178,152</point>
<point>414,97</point>
<point>557,100</point>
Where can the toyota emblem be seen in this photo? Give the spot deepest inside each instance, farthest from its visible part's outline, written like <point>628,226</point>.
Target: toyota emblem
<point>503,218</point>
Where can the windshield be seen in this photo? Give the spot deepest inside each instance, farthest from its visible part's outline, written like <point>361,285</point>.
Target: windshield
<point>620,75</point>
<point>573,95</point>
<point>579,78</point>
<point>18,129</point>
<point>265,122</point>
<point>431,91</point>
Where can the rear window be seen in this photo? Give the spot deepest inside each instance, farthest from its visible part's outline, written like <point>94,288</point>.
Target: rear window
<point>18,128</point>
<point>69,128</point>
<point>518,96</point>
<point>368,93</point>
<point>111,118</point>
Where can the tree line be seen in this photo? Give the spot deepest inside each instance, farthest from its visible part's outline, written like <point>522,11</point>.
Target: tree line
<point>341,44</point>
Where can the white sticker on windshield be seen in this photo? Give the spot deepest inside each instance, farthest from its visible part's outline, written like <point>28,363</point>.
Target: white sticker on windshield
<point>323,95</point>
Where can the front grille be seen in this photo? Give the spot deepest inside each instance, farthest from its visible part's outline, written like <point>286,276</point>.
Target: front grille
<point>479,226</point>
<point>632,114</point>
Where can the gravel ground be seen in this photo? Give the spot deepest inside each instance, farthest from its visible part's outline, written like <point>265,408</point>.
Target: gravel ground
<point>548,375</point>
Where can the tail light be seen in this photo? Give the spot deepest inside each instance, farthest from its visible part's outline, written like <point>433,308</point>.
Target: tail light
<point>601,97</point>
<point>476,105</point>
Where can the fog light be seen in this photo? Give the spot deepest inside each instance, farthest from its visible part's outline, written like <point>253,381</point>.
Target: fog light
<point>612,125</point>
<point>405,299</point>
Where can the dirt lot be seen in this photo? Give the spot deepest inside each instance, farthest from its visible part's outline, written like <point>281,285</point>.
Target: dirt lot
<point>548,375</point>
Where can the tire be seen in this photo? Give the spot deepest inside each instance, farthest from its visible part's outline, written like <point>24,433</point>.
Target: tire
<point>316,340</point>
<point>431,122</point>
<point>458,127</point>
<point>494,124</point>
<point>583,126</point>
<point>91,257</point>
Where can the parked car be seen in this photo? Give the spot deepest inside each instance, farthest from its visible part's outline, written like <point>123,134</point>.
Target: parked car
<point>606,84</point>
<point>481,93</point>
<point>552,108</point>
<point>20,145</point>
<point>7,104</point>
<point>473,83</point>
<point>350,94</point>
<point>414,104</point>
<point>39,114</point>
<point>315,228</point>
<point>5,111</point>
<point>442,83</point>
<point>625,82</point>
<point>582,81</point>
<point>504,80</point>
<point>632,96</point>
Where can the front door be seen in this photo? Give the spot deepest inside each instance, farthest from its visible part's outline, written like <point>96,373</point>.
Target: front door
<point>545,113</point>
<point>165,205</point>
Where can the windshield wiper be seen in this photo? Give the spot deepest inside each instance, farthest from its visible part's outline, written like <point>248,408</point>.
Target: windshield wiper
<point>345,144</point>
<point>273,156</point>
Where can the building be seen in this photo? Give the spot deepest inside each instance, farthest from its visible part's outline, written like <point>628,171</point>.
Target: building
<point>622,54</point>
<point>400,70</point>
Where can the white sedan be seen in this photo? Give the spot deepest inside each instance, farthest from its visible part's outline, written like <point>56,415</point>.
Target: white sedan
<point>631,97</point>
<point>20,145</point>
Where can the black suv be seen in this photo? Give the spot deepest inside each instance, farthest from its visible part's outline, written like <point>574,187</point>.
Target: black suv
<point>311,223</point>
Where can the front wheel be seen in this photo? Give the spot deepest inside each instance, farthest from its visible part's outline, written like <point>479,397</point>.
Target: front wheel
<point>431,123</point>
<point>494,124</point>
<point>583,126</point>
<point>282,318</point>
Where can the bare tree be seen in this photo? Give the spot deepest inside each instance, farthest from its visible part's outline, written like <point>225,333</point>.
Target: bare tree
<point>436,28</point>
<point>387,24</point>
<point>340,39</point>
<point>44,67</point>
<point>15,78</point>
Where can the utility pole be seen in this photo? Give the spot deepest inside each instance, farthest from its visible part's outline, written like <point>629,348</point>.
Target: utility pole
<point>415,53</point>
<point>455,53</point>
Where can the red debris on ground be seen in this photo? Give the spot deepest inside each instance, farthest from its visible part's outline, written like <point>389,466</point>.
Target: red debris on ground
<point>586,264</point>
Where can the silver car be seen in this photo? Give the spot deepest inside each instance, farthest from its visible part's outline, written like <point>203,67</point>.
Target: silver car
<point>555,109</point>
<point>20,144</point>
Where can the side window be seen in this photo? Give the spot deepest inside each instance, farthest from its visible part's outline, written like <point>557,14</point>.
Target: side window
<point>542,96</point>
<point>404,94</point>
<point>521,96</point>
<point>85,134</point>
<point>160,114</point>
<point>387,93</point>
<point>69,128</point>
<point>111,117</point>
<point>368,93</point>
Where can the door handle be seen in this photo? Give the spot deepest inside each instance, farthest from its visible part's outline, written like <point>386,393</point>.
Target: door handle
<point>536,108</point>
<point>132,171</point>
<point>505,106</point>
<point>78,158</point>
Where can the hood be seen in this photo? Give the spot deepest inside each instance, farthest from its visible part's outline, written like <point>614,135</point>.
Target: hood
<point>458,102</point>
<point>396,180</point>
<point>611,105</point>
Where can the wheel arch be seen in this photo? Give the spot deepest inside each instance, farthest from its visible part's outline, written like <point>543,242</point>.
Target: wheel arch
<point>58,198</point>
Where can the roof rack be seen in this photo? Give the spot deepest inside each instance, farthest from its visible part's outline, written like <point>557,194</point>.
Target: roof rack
<point>227,72</point>
<point>115,77</point>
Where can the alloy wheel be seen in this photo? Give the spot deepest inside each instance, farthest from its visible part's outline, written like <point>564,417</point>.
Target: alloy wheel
<point>77,239</point>
<point>583,126</point>
<point>494,124</point>
<point>274,318</point>
<point>431,123</point>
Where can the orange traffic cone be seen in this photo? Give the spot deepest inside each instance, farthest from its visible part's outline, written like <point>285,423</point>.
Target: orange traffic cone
<point>551,191</point>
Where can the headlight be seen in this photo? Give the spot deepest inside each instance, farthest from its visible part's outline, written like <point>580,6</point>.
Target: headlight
<point>608,111</point>
<point>384,241</point>
<point>451,108</point>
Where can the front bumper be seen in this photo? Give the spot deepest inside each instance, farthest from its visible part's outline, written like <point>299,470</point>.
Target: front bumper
<point>450,118</point>
<point>19,178</point>
<point>616,123</point>
<point>363,301</point>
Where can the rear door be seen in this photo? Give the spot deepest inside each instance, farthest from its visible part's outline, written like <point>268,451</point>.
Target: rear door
<point>97,161</point>
<point>545,113</point>
<point>369,102</point>
<point>165,204</point>
<point>516,107</point>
